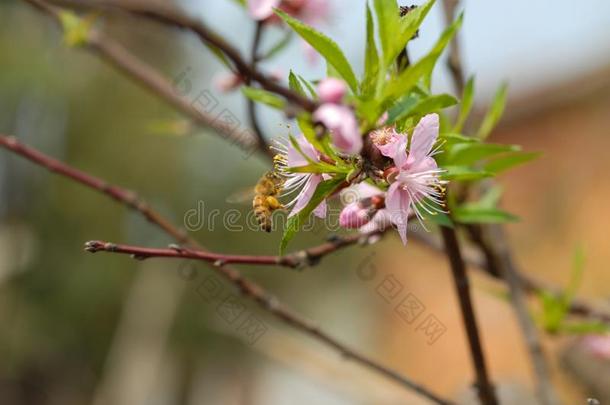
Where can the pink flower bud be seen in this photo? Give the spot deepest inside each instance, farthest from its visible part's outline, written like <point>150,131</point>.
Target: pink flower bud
<point>332,90</point>
<point>342,125</point>
<point>353,216</point>
<point>262,9</point>
<point>227,82</point>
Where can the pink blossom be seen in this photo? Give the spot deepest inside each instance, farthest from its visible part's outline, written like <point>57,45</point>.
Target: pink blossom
<point>380,221</point>
<point>226,82</point>
<point>342,125</point>
<point>332,90</point>
<point>417,181</point>
<point>262,9</point>
<point>360,205</point>
<point>598,345</point>
<point>386,140</point>
<point>311,12</point>
<point>302,184</point>
<point>354,216</point>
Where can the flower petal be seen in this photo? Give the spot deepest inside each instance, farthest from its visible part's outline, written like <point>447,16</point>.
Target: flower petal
<point>397,204</point>
<point>424,136</point>
<point>302,199</point>
<point>400,152</point>
<point>294,158</point>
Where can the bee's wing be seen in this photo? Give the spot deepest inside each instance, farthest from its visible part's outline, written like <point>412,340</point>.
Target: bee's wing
<point>241,196</point>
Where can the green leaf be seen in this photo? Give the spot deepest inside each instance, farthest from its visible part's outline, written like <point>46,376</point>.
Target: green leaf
<point>495,112</point>
<point>408,26</point>
<point>402,108</point>
<point>469,153</point>
<point>464,173</point>
<point>263,96</point>
<point>452,138</point>
<point>508,161</point>
<point>325,46</point>
<point>584,327</point>
<point>411,105</point>
<point>371,58</point>
<point>474,214</point>
<point>466,106</point>
<point>323,190</point>
<point>319,168</point>
<point>409,78</point>
<point>76,29</point>
<point>388,19</point>
<point>440,219</point>
<point>309,87</point>
<point>295,84</point>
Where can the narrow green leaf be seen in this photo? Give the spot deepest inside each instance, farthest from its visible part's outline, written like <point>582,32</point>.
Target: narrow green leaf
<point>495,112</point>
<point>410,77</point>
<point>263,96</point>
<point>402,108</point>
<point>509,161</point>
<point>319,169</point>
<point>469,153</point>
<point>466,106</point>
<point>584,327</point>
<point>295,84</point>
<point>309,87</point>
<point>473,214</point>
<point>325,46</point>
<point>323,190</point>
<point>371,58</point>
<point>452,138</point>
<point>440,219</point>
<point>388,19</point>
<point>408,26</point>
<point>464,173</point>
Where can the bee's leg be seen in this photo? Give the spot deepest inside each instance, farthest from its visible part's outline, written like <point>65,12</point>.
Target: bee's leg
<point>274,203</point>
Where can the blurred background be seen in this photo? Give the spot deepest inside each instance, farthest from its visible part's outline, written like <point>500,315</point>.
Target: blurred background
<point>106,329</point>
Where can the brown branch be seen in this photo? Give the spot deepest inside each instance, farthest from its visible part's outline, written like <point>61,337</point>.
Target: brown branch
<point>169,15</point>
<point>178,252</point>
<point>484,386</point>
<point>299,259</point>
<point>252,107</point>
<point>124,196</point>
<point>498,254</point>
<point>493,243</point>
<point>124,61</point>
<point>246,287</point>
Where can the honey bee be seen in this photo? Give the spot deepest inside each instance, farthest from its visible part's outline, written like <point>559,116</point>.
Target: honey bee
<point>265,202</point>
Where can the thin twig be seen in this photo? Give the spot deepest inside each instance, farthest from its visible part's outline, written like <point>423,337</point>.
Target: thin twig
<point>177,252</point>
<point>529,284</point>
<point>252,107</point>
<point>169,15</point>
<point>140,72</point>
<point>484,386</point>
<point>124,196</point>
<point>299,259</point>
<point>498,254</point>
<point>246,287</point>
<point>493,243</point>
